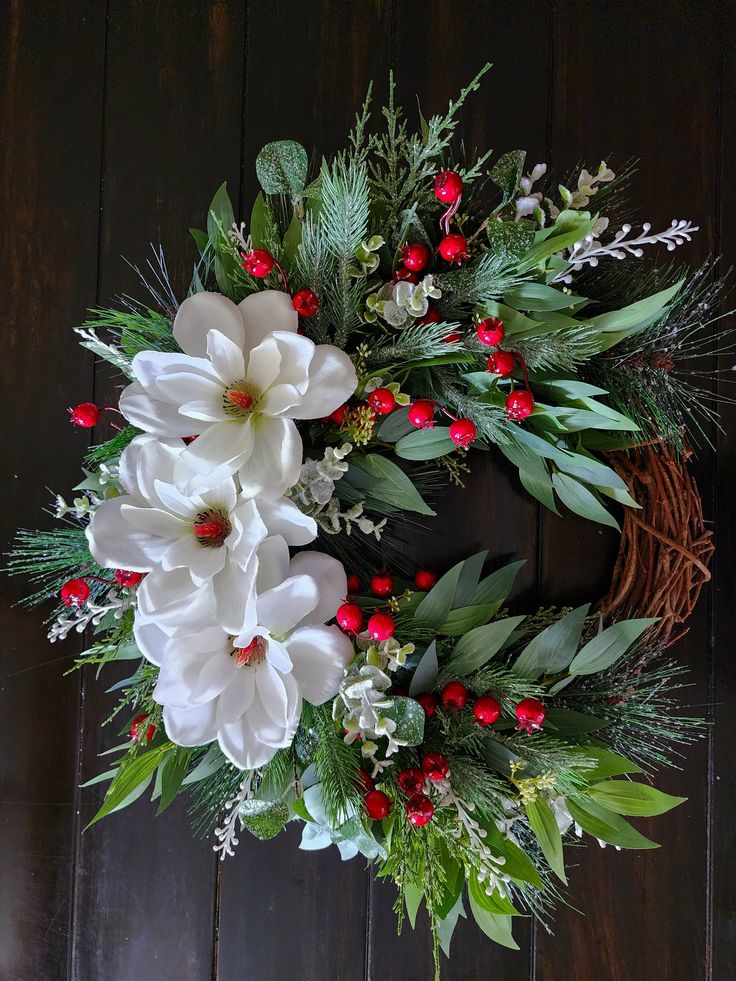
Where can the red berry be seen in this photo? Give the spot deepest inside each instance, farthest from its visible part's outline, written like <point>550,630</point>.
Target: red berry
<point>381,626</point>
<point>487,710</point>
<point>382,584</point>
<point>404,275</point>
<point>258,263</point>
<point>126,578</point>
<point>136,727</point>
<point>382,401</point>
<point>410,782</point>
<point>377,805</point>
<point>452,338</point>
<point>350,618</point>
<point>425,579</point>
<point>463,432</point>
<point>428,701</point>
<point>338,416</point>
<point>419,810</point>
<point>415,256</point>
<point>448,186</point>
<point>530,713</point>
<point>84,415</point>
<point>491,331</point>
<point>519,404</point>
<point>366,779</point>
<point>453,248</point>
<point>421,414</point>
<point>502,363</point>
<point>435,766</point>
<point>75,592</point>
<point>454,695</point>
<point>353,583</point>
<point>305,303</point>
<point>430,317</point>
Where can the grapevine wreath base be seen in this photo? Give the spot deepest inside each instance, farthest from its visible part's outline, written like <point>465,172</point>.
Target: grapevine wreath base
<point>235,544</point>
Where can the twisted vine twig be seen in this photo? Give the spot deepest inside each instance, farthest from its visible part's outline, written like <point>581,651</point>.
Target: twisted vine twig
<point>665,547</point>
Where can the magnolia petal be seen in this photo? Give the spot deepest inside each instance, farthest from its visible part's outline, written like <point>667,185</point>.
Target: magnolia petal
<point>183,386</point>
<point>273,562</point>
<point>191,726</point>
<point>275,462</point>
<point>319,656</point>
<point>150,638</point>
<point>283,517</point>
<point>226,356</point>
<point>201,313</point>
<point>174,600</point>
<point>265,312</point>
<point>153,415</point>
<point>331,579</point>
<point>278,656</point>
<point>280,608</point>
<point>206,564</point>
<point>297,353</point>
<point>233,591</point>
<point>173,500</point>
<point>223,443</point>
<point>332,380</point>
<point>272,694</point>
<point>242,747</point>
<point>238,697</point>
<point>150,367</point>
<point>114,544</point>
<point>264,364</point>
<point>155,521</point>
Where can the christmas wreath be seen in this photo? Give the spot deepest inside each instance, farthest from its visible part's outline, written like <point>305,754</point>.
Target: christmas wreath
<point>382,319</point>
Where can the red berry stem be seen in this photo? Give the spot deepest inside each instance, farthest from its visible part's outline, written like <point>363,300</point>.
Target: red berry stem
<point>282,274</point>
<point>449,215</point>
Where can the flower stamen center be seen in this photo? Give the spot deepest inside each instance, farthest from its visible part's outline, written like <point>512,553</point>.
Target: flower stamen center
<point>240,399</point>
<point>211,529</point>
<point>254,653</point>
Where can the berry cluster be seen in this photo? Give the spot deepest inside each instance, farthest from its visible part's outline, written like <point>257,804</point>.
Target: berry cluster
<point>486,709</point>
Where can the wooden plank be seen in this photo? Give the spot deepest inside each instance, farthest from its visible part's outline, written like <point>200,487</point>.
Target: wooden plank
<point>721,911</point>
<point>624,82</point>
<point>174,80</point>
<point>49,185</point>
<point>438,49</point>
<point>308,69</point>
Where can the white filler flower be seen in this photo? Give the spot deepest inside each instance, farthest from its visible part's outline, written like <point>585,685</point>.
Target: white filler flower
<point>201,549</point>
<point>246,691</point>
<point>246,374</point>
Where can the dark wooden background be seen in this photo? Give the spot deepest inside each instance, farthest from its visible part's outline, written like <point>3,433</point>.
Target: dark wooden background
<point>117,122</point>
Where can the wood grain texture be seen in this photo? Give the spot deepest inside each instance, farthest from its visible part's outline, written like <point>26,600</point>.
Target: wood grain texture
<point>49,180</point>
<point>117,123</point>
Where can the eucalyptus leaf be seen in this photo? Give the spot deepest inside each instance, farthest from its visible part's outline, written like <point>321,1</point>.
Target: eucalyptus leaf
<point>392,486</point>
<point>496,587</point>
<point>425,675</point>
<point>478,646</point>
<point>581,501</point>
<point>552,650</point>
<point>395,426</point>
<point>425,444</point>
<point>438,602</point>
<point>465,618</point>
<point>609,645</point>
<point>536,297</point>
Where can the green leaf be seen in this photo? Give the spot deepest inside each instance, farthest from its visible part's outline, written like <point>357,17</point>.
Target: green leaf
<point>574,724</point>
<point>605,825</point>
<point>425,444</point>
<point>425,675</point>
<point>409,717</point>
<point>499,757</point>
<point>395,426</point>
<point>495,926</point>
<point>393,486</point>
<point>538,297</point>
<point>173,771</point>
<point>292,240</point>
<point>609,645</point>
<point>465,618</point>
<point>413,896</point>
<point>496,587</point>
<point>220,217</point>
<point>282,168</point>
<point>581,501</point>
<point>510,240</point>
<point>446,926</point>
<point>469,578</point>
<point>264,819</point>
<point>518,864</point>
<point>263,228</point>
<point>506,172</point>
<point>210,763</point>
<point>533,473</point>
<point>619,324</point>
<point>478,646</point>
<point>132,777</point>
<point>544,825</point>
<point>495,903</point>
<point>437,603</point>
<point>608,763</point>
<point>552,650</point>
<point>300,809</point>
<point>633,799</point>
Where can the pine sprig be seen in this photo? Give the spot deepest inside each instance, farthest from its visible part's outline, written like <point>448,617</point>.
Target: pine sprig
<point>337,765</point>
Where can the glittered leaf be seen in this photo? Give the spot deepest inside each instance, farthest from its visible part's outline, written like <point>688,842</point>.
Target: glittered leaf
<point>507,171</point>
<point>282,167</point>
<point>510,239</point>
<point>425,676</point>
<point>264,819</point>
<point>409,718</point>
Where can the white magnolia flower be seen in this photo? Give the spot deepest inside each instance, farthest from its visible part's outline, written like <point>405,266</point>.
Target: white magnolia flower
<point>246,690</point>
<point>200,548</point>
<point>246,374</point>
